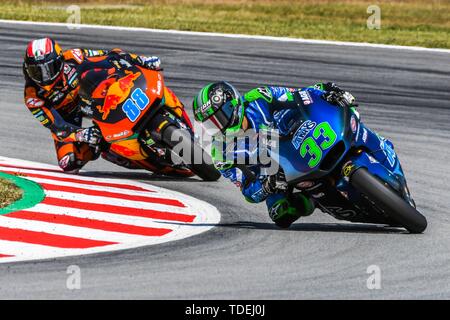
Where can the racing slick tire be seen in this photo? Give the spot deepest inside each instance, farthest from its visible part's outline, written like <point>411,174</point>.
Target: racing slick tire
<point>389,201</point>
<point>205,170</point>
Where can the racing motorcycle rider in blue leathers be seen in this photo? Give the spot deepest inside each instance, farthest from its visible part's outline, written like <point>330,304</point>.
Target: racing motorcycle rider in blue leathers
<point>219,106</point>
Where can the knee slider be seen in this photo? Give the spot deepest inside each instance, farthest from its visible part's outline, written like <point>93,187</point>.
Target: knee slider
<point>283,214</point>
<point>69,163</point>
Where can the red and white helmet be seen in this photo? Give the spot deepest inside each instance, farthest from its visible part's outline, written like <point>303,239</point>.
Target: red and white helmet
<point>44,61</point>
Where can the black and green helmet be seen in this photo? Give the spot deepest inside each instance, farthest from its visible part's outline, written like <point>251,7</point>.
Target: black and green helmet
<point>218,106</point>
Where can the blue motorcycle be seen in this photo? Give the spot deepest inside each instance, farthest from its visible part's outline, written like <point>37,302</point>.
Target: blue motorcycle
<point>349,171</point>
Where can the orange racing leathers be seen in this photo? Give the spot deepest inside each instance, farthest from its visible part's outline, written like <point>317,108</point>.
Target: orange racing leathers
<point>58,107</point>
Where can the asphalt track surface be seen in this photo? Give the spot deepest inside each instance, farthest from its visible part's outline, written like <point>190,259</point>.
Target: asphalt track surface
<point>404,95</point>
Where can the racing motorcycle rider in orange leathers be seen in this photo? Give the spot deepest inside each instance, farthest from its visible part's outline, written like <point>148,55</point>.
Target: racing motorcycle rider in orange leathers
<point>52,78</point>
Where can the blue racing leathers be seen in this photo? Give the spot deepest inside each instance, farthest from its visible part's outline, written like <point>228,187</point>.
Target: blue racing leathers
<point>265,108</point>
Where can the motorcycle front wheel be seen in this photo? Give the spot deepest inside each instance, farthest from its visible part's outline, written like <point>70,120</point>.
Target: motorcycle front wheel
<point>182,140</point>
<point>390,202</point>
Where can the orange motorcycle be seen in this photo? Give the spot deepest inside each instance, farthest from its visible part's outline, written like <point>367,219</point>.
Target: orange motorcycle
<point>143,120</point>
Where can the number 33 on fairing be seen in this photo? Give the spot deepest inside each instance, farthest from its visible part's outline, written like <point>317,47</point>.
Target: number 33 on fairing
<point>311,147</point>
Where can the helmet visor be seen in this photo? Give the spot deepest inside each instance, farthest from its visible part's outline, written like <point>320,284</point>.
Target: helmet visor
<point>226,117</point>
<point>45,73</point>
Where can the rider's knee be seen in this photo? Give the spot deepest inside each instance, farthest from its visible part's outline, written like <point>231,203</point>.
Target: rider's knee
<point>70,164</point>
<point>283,213</point>
<point>287,210</point>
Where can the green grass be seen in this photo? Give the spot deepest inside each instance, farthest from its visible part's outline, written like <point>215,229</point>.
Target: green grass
<point>9,193</point>
<point>410,22</point>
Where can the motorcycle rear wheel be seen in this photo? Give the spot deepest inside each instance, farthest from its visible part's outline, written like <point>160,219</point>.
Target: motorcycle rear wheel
<point>389,201</point>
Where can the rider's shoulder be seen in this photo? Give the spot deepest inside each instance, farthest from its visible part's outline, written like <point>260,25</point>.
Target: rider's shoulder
<point>74,55</point>
<point>262,92</point>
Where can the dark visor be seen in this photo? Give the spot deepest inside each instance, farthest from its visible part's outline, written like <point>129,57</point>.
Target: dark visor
<point>45,73</point>
<point>226,116</point>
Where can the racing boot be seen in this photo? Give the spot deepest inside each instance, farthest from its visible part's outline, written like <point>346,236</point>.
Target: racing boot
<point>284,210</point>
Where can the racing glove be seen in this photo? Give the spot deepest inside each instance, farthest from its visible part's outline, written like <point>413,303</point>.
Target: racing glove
<point>335,95</point>
<point>89,135</point>
<point>152,62</point>
<point>275,183</point>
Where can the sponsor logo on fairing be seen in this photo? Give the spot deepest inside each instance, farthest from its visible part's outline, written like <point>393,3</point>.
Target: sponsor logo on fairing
<point>353,124</point>
<point>364,136</point>
<point>306,98</point>
<point>117,93</point>
<point>159,85</point>
<point>302,132</point>
<point>340,212</point>
<point>348,168</point>
<point>121,134</point>
<point>388,151</point>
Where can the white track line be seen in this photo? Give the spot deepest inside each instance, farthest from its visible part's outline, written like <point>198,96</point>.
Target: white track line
<point>107,217</point>
<point>93,187</point>
<point>116,202</point>
<point>20,249</point>
<point>228,35</point>
<point>62,174</point>
<point>69,231</point>
<point>26,163</point>
<point>206,217</point>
